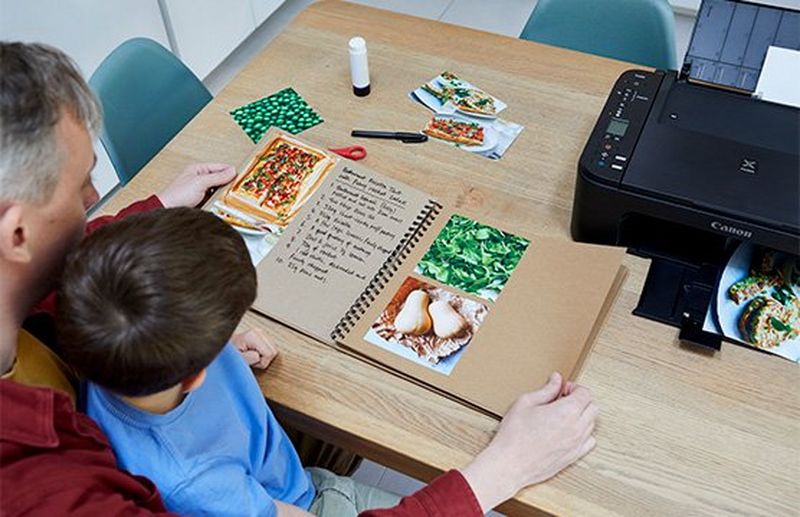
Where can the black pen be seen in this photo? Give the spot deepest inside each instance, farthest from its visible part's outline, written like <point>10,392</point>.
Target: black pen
<point>405,137</point>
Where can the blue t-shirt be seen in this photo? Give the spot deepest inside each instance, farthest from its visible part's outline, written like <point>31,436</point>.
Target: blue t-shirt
<point>220,452</point>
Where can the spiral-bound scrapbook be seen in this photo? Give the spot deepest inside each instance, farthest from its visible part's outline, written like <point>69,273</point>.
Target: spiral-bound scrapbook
<point>382,271</point>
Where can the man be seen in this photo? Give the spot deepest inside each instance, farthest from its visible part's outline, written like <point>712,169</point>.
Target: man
<point>54,459</point>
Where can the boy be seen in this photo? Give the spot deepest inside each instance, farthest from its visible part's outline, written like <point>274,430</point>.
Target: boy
<point>147,306</point>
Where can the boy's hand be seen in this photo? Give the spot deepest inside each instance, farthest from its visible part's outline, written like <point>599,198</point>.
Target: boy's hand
<point>543,432</point>
<point>257,350</point>
<point>189,188</point>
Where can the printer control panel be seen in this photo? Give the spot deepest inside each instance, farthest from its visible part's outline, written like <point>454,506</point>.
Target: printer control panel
<point>609,149</point>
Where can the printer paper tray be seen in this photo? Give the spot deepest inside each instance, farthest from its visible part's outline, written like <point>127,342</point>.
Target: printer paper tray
<point>682,279</point>
<point>680,295</point>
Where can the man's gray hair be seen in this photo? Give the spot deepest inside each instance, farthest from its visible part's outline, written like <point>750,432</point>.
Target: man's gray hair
<point>38,84</point>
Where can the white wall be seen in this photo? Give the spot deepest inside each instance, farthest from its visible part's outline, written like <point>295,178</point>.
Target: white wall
<point>205,32</point>
<point>87,30</point>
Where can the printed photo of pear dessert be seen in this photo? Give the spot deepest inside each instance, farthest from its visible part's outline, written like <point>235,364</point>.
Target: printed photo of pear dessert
<point>427,324</point>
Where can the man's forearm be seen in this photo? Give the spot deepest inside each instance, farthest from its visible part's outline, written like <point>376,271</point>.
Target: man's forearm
<point>489,486</point>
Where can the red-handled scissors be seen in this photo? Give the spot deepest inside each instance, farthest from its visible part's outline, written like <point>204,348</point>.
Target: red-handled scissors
<point>354,152</point>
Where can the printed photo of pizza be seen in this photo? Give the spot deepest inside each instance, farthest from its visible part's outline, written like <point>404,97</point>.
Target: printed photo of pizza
<point>469,100</point>
<point>456,131</point>
<point>278,180</point>
<point>476,101</point>
<point>448,90</point>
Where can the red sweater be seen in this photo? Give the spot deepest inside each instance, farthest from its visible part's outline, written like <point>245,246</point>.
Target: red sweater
<point>55,460</point>
<point>449,495</point>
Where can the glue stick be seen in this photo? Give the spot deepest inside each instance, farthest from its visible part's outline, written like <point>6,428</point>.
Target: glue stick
<point>359,70</point>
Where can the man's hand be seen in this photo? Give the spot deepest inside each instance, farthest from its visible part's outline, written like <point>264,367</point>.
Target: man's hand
<point>256,348</point>
<point>189,188</point>
<point>543,432</point>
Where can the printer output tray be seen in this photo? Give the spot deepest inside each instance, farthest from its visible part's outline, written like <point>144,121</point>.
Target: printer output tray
<point>682,280</point>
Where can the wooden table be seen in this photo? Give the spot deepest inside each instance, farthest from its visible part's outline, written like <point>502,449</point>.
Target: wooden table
<point>681,433</point>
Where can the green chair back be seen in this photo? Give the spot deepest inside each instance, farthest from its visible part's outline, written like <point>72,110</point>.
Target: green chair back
<point>148,95</point>
<point>637,31</point>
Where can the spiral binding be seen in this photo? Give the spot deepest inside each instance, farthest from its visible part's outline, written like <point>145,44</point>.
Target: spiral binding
<point>390,266</point>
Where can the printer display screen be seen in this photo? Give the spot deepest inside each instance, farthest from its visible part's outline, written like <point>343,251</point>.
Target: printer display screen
<point>617,127</point>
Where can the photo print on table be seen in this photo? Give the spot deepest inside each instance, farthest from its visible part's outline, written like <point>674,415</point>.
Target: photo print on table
<point>286,110</point>
<point>428,325</point>
<point>466,116</point>
<point>473,257</point>
<point>447,94</point>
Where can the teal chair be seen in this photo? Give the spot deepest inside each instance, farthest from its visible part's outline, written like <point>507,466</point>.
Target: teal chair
<point>637,31</point>
<point>148,95</point>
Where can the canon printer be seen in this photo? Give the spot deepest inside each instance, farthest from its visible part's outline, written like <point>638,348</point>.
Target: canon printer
<point>683,165</point>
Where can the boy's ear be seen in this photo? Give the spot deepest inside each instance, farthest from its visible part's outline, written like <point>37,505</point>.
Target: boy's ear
<point>193,382</point>
<point>13,235</point>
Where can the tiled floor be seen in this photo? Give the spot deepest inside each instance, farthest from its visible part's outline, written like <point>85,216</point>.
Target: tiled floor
<point>506,17</point>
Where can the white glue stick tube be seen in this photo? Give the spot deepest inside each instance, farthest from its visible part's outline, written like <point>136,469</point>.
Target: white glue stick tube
<point>359,69</point>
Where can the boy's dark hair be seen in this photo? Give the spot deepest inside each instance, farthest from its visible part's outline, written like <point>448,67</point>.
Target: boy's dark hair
<point>150,300</point>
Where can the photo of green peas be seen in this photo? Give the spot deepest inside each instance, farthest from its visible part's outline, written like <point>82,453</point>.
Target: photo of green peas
<point>285,109</point>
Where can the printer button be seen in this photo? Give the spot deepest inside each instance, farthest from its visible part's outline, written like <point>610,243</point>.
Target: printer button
<point>621,158</point>
<point>601,163</point>
<point>616,167</point>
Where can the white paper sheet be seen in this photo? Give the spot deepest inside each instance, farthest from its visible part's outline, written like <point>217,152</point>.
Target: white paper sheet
<point>780,77</point>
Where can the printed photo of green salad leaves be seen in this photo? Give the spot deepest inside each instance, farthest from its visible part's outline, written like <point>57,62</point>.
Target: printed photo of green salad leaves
<point>472,257</point>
